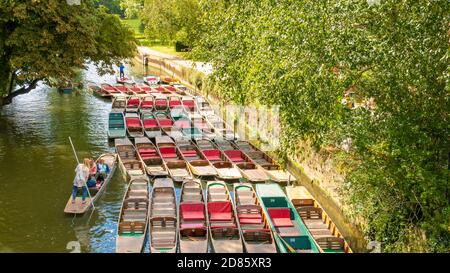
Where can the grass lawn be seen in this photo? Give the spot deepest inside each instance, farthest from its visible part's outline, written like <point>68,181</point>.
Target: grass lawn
<point>134,24</point>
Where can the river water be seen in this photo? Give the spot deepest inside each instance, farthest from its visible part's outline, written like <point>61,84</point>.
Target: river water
<point>37,169</point>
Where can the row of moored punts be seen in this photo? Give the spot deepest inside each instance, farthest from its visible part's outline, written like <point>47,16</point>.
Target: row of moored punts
<point>163,135</point>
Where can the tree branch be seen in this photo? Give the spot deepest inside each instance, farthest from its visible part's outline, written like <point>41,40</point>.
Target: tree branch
<point>23,90</point>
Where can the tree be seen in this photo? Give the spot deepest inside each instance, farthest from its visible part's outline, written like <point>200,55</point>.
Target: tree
<point>42,40</point>
<point>304,55</point>
<point>172,20</point>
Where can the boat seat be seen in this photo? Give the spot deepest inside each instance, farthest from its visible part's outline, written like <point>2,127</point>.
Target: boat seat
<point>193,225</point>
<point>330,242</point>
<point>249,215</point>
<point>212,155</point>
<point>250,221</point>
<point>281,217</point>
<point>259,235</point>
<point>235,155</point>
<point>220,216</point>
<point>168,152</point>
<point>225,232</point>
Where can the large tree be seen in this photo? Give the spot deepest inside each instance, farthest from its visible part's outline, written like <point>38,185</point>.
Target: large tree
<point>40,40</point>
<point>304,55</point>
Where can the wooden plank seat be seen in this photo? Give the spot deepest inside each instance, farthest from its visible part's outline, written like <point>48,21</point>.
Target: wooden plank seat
<point>309,212</point>
<point>257,236</point>
<point>193,231</point>
<point>131,227</point>
<point>333,243</point>
<point>225,233</point>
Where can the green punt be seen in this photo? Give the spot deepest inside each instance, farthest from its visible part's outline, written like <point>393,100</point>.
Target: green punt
<point>290,233</point>
<point>116,125</point>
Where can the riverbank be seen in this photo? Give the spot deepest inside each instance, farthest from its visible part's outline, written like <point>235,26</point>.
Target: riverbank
<point>317,176</point>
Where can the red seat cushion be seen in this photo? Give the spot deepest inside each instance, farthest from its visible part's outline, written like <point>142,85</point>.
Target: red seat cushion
<point>174,103</point>
<point>147,151</point>
<point>168,152</point>
<point>189,153</point>
<point>165,123</point>
<point>282,222</point>
<point>281,217</point>
<point>235,155</point>
<point>160,89</point>
<point>147,103</point>
<point>161,102</point>
<point>249,216</point>
<point>192,211</point>
<point>212,155</point>
<point>189,103</point>
<point>250,221</point>
<point>133,122</point>
<point>133,102</point>
<point>220,216</point>
<point>192,226</point>
<point>193,215</point>
<point>150,123</point>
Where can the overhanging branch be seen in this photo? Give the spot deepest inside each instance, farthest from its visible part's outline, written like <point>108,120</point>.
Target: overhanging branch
<point>23,90</point>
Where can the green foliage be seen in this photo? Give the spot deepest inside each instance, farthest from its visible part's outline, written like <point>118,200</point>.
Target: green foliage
<point>131,8</point>
<point>172,20</point>
<point>50,39</point>
<point>112,6</point>
<point>304,55</point>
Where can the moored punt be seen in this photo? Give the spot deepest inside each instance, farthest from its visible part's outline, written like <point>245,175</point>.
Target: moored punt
<point>224,168</point>
<point>290,233</point>
<point>246,166</point>
<point>116,125</point>
<point>273,169</point>
<point>197,163</point>
<point>133,218</point>
<point>255,229</point>
<point>134,125</point>
<point>137,90</point>
<point>147,104</point>
<point>122,89</point>
<point>223,229</point>
<point>78,207</point>
<point>150,157</point>
<point>173,161</point>
<point>144,87</point>
<point>129,161</point>
<point>163,217</point>
<point>133,104</point>
<point>319,224</point>
<point>119,104</point>
<point>150,124</point>
<point>151,79</point>
<point>193,228</point>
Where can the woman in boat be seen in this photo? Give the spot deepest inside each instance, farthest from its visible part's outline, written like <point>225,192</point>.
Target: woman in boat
<point>102,170</point>
<point>81,176</point>
<point>92,181</point>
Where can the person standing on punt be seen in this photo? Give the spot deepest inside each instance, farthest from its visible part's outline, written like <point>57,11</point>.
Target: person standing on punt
<point>81,176</point>
<point>92,174</point>
<point>122,70</point>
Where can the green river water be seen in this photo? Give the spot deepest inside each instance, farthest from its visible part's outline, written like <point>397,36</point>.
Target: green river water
<point>37,169</point>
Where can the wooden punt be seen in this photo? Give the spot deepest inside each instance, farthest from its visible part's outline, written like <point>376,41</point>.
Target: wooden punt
<point>133,217</point>
<point>123,89</point>
<point>144,87</point>
<point>290,233</point>
<point>324,231</point>
<point>134,125</point>
<point>163,217</point>
<point>133,104</point>
<point>223,166</point>
<point>147,104</point>
<point>116,125</point>
<point>150,157</point>
<point>78,207</point>
<point>151,79</point>
<point>223,228</point>
<point>196,161</point>
<point>252,221</point>
<point>119,103</point>
<point>192,225</point>
<point>129,161</point>
<point>175,165</point>
<point>151,127</point>
<point>272,168</point>
<point>249,170</point>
